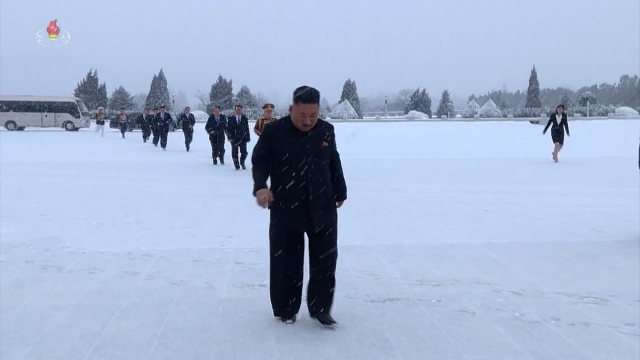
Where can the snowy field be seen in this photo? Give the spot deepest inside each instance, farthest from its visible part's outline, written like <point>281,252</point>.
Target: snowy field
<point>457,241</point>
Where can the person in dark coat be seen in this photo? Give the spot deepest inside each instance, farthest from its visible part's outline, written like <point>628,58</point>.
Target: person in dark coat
<point>238,133</point>
<point>123,120</point>
<point>559,124</point>
<point>216,127</point>
<point>188,121</point>
<point>154,127</point>
<point>145,121</point>
<point>163,123</point>
<point>298,153</point>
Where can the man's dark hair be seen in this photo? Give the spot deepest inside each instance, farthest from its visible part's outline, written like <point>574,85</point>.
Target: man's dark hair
<point>162,107</point>
<point>560,106</point>
<point>217,107</point>
<point>155,109</point>
<point>187,108</point>
<point>306,95</point>
<point>121,108</point>
<point>239,106</point>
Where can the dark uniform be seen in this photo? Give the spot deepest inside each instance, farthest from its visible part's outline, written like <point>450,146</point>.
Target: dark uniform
<point>162,127</point>
<point>187,128</point>
<point>146,122</point>
<point>217,128</point>
<point>306,181</point>
<point>123,120</point>
<point>154,127</point>
<point>238,133</point>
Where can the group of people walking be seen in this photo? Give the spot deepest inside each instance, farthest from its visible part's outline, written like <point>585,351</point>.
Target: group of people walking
<point>235,129</point>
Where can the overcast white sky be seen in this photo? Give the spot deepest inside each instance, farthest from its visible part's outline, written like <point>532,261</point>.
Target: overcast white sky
<point>466,46</point>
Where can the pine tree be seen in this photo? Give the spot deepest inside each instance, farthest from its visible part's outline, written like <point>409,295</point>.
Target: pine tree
<point>471,110</point>
<point>533,91</point>
<point>350,92</point>
<point>445,107</point>
<point>490,110</point>
<point>221,93</point>
<point>159,92</point>
<point>121,98</point>
<point>419,101</point>
<point>91,92</point>
<point>246,98</point>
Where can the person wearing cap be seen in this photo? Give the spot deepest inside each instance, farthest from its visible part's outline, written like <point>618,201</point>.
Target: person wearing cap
<point>100,116</point>
<point>216,127</point>
<point>145,120</point>
<point>298,155</point>
<point>154,127</point>
<point>265,119</point>
<point>239,136</point>
<point>123,120</point>
<point>188,120</point>
<point>163,122</point>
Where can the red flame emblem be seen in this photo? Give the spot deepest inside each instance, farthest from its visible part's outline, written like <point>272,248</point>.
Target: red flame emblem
<point>53,30</point>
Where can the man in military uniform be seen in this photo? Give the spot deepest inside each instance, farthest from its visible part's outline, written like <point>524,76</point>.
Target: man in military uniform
<point>188,120</point>
<point>298,154</point>
<point>123,120</point>
<point>216,127</point>
<point>265,119</point>
<point>145,121</point>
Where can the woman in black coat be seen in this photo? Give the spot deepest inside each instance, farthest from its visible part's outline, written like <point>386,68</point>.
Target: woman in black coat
<point>559,124</point>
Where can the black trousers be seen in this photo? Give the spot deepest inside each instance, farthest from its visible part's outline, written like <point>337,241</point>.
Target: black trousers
<point>243,153</point>
<point>188,136</point>
<point>123,128</point>
<point>164,134</point>
<point>217,146</point>
<point>156,135</point>
<point>146,132</point>
<point>286,247</point>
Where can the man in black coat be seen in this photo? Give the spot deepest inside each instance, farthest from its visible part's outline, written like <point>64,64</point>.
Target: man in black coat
<point>163,123</point>
<point>188,120</point>
<point>298,154</point>
<point>154,127</point>
<point>216,127</point>
<point>238,133</point>
<point>145,121</point>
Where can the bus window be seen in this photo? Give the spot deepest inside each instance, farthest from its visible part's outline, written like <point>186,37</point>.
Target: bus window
<point>83,108</point>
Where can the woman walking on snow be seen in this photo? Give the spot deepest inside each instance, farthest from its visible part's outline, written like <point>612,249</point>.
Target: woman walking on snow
<point>560,124</point>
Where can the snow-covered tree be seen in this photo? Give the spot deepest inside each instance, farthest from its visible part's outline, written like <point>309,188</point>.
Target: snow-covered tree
<point>121,98</point>
<point>344,110</point>
<point>445,107</point>
<point>138,102</point>
<point>566,100</point>
<point>324,105</point>
<point>203,102</point>
<point>490,110</point>
<point>159,92</point>
<point>245,98</point>
<point>533,91</point>
<point>471,109</point>
<point>350,92</point>
<point>419,101</point>
<point>587,97</point>
<point>221,93</point>
<point>92,93</point>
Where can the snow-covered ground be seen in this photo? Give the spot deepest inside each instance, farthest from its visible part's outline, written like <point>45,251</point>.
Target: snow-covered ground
<point>458,241</point>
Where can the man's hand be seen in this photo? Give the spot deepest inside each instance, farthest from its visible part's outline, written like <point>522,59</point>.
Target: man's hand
<point>339,204</point>
<point>264,197</point>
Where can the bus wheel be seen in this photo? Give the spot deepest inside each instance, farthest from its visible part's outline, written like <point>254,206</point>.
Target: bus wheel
<point>11,125</point>
<point>69,126</point>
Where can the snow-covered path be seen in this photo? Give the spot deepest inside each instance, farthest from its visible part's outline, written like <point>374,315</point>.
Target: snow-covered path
<point>458,241</point>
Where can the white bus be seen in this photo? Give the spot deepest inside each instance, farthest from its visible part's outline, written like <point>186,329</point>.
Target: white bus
<point>19,112</point>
